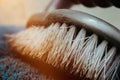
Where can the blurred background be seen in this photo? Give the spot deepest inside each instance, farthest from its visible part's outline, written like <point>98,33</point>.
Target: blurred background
<point>17,12</point>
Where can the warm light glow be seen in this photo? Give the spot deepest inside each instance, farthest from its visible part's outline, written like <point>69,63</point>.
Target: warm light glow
<point>16,12</point>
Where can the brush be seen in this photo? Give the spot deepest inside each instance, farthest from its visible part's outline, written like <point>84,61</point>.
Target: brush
<point>69,45</point>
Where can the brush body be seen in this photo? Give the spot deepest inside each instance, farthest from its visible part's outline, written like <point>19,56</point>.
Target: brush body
<point>79,19</point>
<point>76,48</point>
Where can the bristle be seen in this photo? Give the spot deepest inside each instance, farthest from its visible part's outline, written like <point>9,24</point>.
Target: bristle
<point>59,46</point>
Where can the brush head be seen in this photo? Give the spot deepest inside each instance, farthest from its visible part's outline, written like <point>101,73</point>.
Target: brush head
<point>74,47</point>
<point>91,23</point>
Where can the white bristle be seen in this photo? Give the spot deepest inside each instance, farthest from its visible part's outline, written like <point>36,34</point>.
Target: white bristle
<point>61,47</point>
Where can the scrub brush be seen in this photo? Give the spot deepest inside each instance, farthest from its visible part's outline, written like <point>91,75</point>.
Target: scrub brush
<point>69,45</point>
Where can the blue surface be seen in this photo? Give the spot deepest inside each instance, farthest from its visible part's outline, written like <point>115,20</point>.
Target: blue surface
<point>10,68</point>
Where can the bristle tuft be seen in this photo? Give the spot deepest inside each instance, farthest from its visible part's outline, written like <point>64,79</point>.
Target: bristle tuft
<point>59,46</point>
